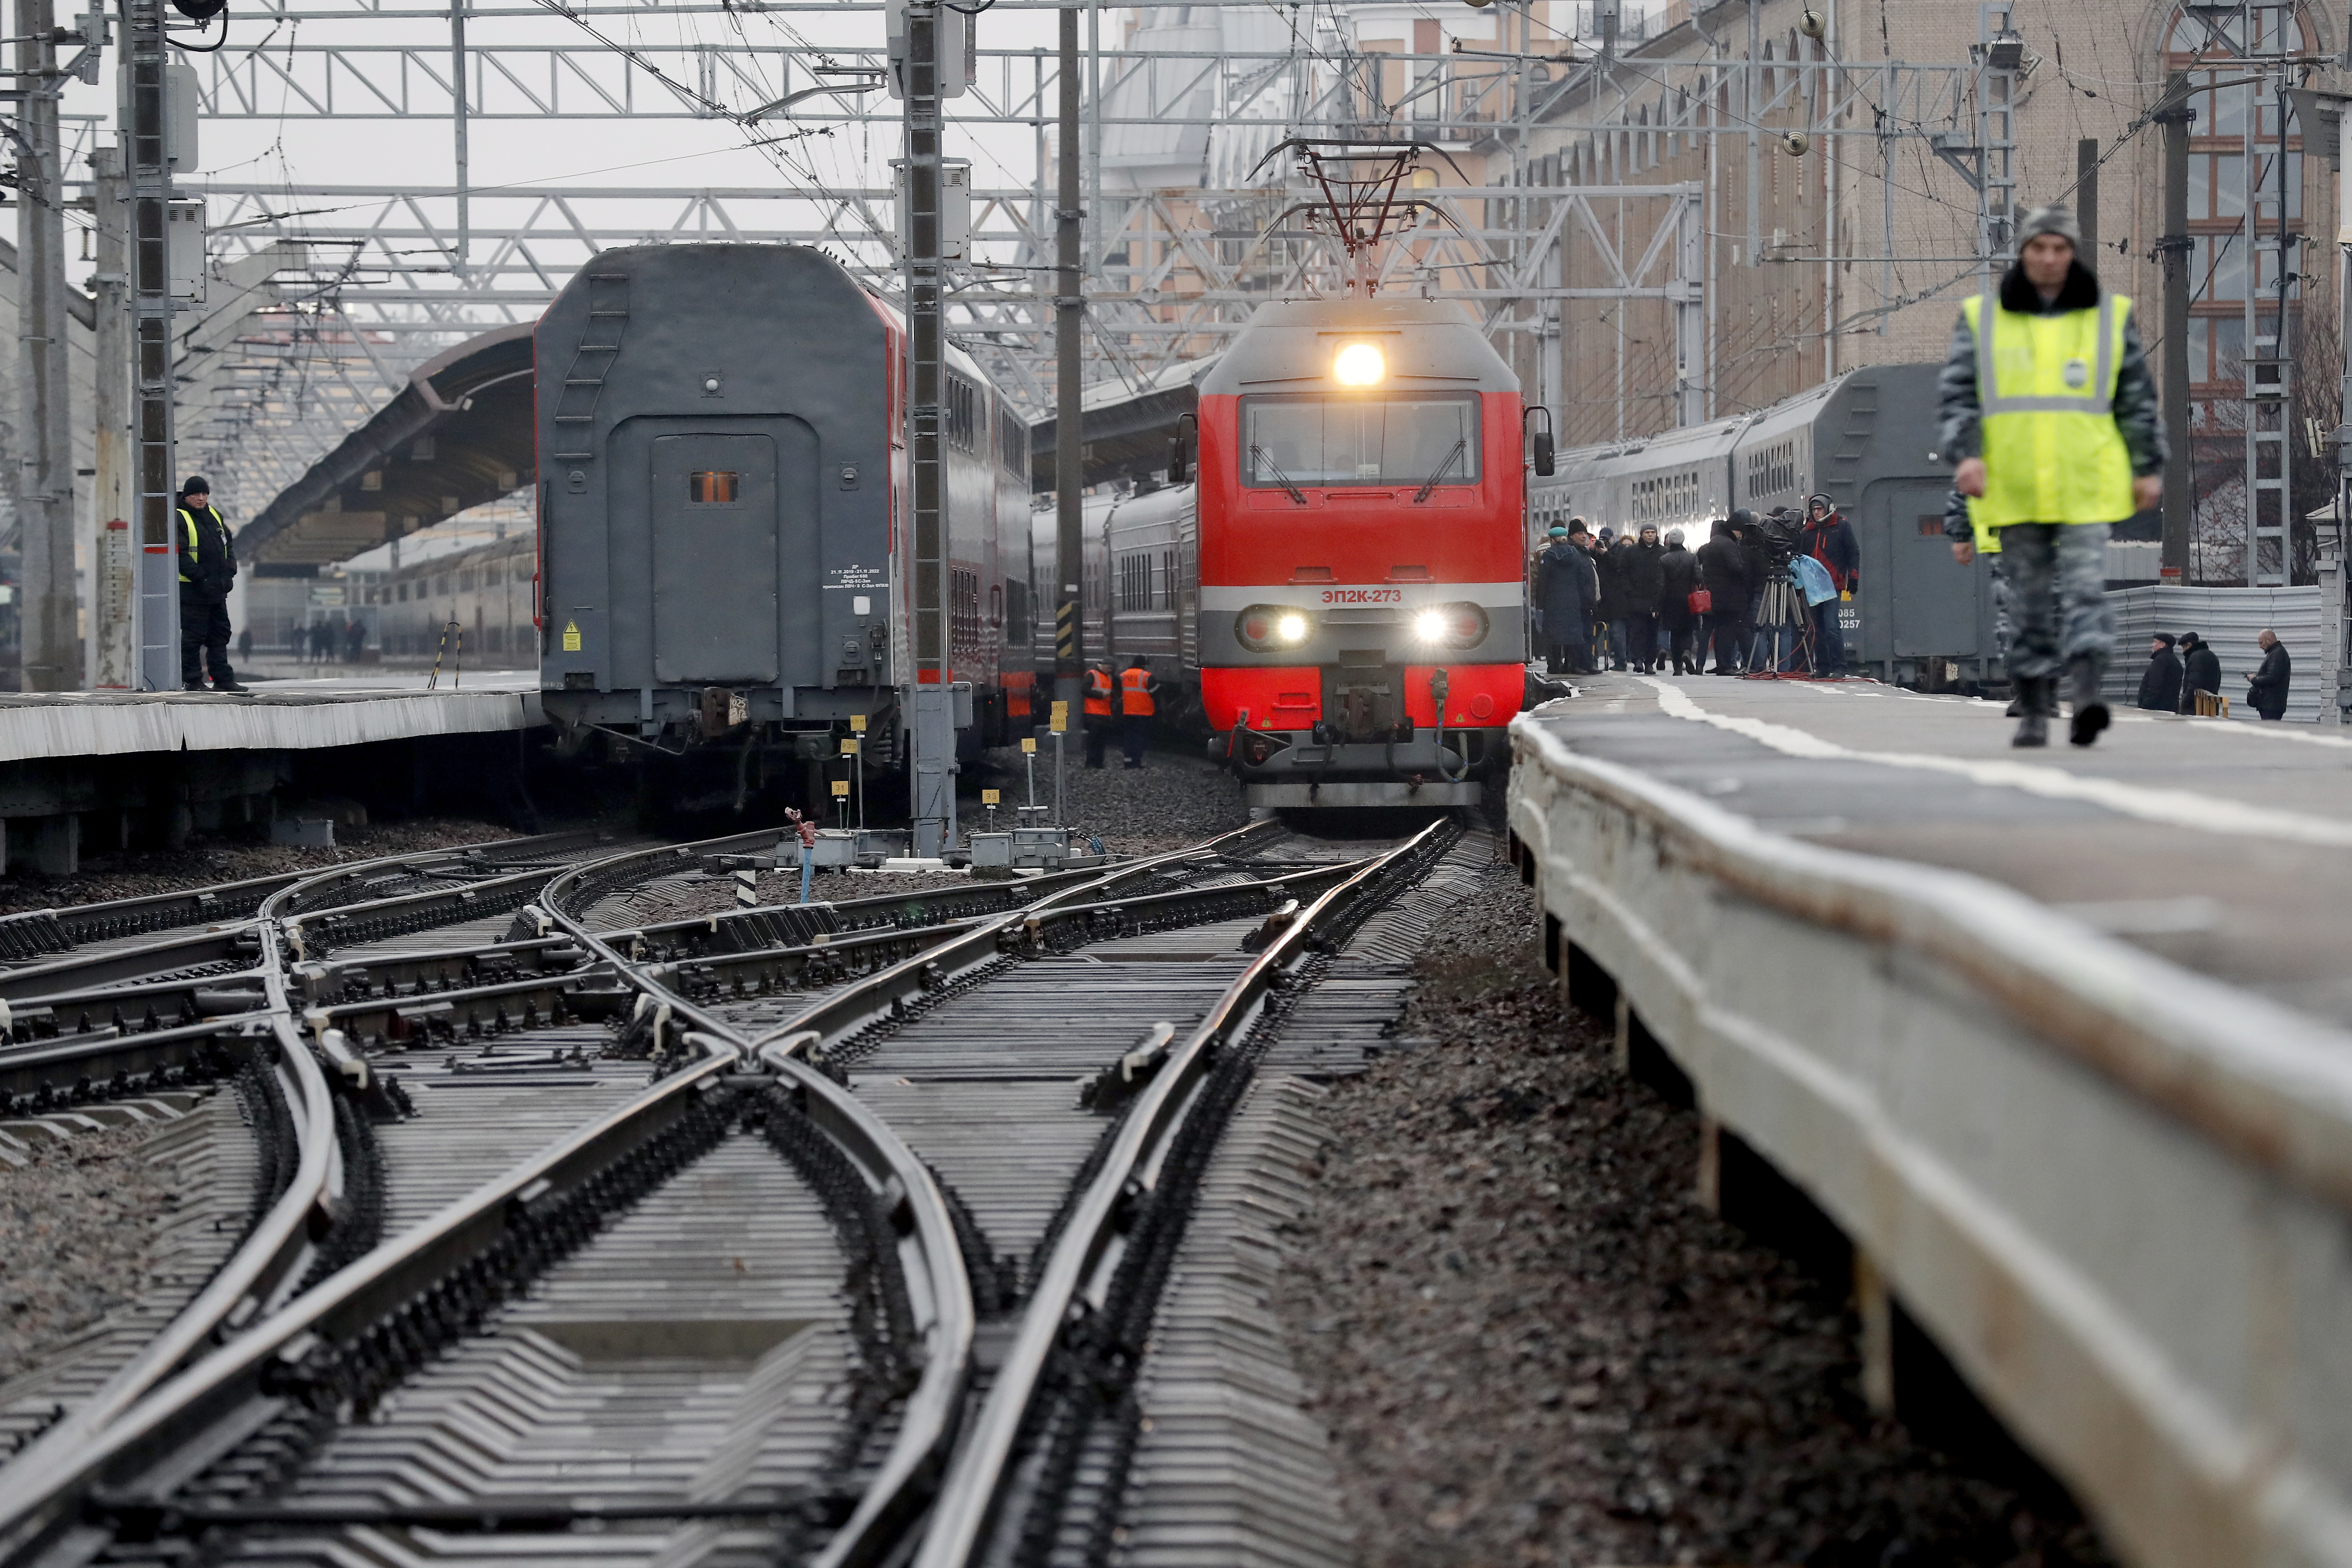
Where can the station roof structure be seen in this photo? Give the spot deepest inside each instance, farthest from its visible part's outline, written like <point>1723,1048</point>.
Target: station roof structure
<point>458,434</point>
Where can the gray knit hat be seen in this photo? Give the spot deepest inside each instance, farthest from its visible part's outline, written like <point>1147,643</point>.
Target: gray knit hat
<point>2050,220</point>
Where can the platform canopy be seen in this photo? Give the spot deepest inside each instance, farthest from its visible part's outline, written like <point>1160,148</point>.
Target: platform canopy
<point>458,434</point>
<point>1127,428</point>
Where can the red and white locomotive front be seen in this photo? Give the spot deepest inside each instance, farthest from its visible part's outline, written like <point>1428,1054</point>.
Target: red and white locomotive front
<point>1362,486</point>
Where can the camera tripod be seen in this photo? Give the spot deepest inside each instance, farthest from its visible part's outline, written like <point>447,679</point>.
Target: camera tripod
<point>1783,609</point>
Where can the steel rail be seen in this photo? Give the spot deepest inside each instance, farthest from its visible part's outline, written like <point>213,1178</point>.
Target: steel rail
<point>273,1255</point>
<point>966,1506</point>
<point>265,1263</point>
<point>903,1483</point>
<point>232,1392</point>
<point>228,1395</point>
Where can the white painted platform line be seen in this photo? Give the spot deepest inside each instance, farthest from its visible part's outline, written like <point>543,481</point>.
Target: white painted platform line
<point>2173,807</point>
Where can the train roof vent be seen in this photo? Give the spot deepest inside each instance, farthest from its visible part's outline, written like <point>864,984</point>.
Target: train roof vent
<point>592,362</point>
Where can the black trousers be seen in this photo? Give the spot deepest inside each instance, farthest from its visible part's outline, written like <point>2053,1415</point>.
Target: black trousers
<point>1098,737</point>
<point>204,636</point>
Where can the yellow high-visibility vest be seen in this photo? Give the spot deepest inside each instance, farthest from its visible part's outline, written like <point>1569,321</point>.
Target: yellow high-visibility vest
<point>188,557</point>
<point>2047,387</point>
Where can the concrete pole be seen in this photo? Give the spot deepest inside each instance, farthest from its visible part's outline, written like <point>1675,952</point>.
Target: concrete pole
<point>1070,444</point>
<point>930,708</point>
<point>111,662</point>
<point>154,536</point>
<point>458,112</point>
<point>2178,499</point>
<point>52,637</point>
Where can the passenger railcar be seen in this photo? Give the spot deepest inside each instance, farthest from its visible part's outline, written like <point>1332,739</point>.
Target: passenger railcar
<point>724,508</point>
<point>1865,439</point>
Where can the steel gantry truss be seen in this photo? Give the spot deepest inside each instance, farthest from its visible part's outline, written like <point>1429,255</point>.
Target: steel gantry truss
<point>387,276</point>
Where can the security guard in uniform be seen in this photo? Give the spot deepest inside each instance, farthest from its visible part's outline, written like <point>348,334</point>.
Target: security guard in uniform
<point>2051,418</point>
<point>1098,690</point>
<point>207,572</point>
<point>1135,710</point>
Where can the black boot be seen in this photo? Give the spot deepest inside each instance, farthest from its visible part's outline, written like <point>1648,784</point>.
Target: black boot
<point>2037,698</point>
<point>2090,707</point>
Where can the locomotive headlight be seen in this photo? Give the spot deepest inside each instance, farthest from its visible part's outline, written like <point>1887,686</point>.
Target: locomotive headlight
<point>1263,628</point>
<point>1359,365</point>
<point>1452,626</point>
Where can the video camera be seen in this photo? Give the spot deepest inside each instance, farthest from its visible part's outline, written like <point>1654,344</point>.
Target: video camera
<point>1778,533</point>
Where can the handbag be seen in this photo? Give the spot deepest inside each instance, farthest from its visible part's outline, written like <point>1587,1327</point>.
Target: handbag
<point>1702,603</point>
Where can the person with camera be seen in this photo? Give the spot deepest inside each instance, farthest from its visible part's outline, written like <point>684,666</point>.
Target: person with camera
<point>2051,418</point>
<point>1723,572</point>
<point>1828,538</point>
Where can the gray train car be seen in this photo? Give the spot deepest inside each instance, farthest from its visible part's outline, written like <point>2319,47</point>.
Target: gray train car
<point>724,504</point>
<point>1141,593</point>
<point>1865,439</point>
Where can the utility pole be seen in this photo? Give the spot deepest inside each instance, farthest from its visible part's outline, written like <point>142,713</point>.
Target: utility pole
<point>2172,562</point>
<point>1070,444</point>
<point>51,638</point>
<point>112,665</point>
<point>932,703</point>
<point>144,133</point>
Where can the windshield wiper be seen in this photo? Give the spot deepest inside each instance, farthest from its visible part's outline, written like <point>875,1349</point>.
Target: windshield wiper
<point>1257,455</point>
<point>1430,484</point>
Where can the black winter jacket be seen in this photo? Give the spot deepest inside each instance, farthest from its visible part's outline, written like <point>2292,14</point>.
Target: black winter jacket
<point>210,569</point>
<point>1639,577</point>
<point>1723,566</point>
<point>2159,688</point>
<point>2268,690</point>
<point>2200,671</point>
<point>1609,567</point>
<point>1678,576</point>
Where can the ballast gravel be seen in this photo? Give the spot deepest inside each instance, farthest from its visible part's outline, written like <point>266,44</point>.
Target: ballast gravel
<point>78,1224</point>
<point>137,874</point>
<point>1531,1344</point>
<point>1177,798</point>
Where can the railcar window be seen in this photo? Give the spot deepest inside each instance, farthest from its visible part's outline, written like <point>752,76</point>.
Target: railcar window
<point>1397,440</point>
<point>712,487</point>
<point>1016,612</point>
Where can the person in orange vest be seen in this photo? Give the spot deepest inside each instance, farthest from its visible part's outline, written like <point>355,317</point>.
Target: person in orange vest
<point>1135,688</point>
<point>1099,689</point>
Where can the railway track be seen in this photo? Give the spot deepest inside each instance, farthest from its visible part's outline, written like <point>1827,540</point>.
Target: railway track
<point>749,1234</point>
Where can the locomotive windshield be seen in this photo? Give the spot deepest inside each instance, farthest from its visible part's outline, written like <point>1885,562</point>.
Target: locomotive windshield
<point>1406,439</point>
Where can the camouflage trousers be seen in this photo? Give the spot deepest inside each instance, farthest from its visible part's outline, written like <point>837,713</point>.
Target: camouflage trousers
<point>2056,575</point>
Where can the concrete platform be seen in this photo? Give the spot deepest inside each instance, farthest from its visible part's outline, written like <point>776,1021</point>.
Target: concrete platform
<point>2056,1040</point>
<point>279,715</point>
<point>2221,847</point>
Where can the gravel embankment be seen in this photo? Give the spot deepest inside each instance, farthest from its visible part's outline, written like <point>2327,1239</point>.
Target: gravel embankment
<point>76,1226</point>
<point>1532,1346</point>
<point>138,873</point>
<point>1178,797</point>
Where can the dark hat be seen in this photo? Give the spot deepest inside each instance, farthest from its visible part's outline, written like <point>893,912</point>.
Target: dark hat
<point>2164,638</point>
<point>2189,639</point>
<point>195,484</point>
<point>1742,518</point>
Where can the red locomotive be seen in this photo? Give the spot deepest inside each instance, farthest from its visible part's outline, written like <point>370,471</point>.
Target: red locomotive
<point>1362,636</point>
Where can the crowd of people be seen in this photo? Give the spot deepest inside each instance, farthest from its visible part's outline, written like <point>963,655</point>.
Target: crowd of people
<point>1641,602</point>
<point>2181,669</point>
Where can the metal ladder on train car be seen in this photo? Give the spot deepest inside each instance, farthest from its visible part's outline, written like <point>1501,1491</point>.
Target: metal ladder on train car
<point>600,345</point>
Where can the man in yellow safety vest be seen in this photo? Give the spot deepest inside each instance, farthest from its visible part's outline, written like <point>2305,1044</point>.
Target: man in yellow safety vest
<point>2052,420</point>
<point>207,572</point>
